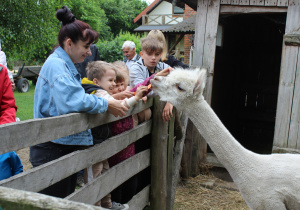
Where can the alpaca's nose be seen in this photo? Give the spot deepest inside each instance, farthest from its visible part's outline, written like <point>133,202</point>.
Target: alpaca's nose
<point>157,78</point>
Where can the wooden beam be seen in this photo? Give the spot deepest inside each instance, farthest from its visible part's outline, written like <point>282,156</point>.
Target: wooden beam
<point>18,199</point>
<point>230,9</point>
<point>159,144</point>
<point>285,150</point>
<point>36,131</point>
<point>140,200</point>
<point>271,3</point>
<point>292,39</point>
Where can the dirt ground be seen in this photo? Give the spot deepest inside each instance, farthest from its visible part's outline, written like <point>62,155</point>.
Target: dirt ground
<point>204,192</point>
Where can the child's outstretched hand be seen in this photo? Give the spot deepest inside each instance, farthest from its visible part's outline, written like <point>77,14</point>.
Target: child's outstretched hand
<point>122,95</point>
<point>140,92</point>
<point>167,112</point>
<point>164,72</point>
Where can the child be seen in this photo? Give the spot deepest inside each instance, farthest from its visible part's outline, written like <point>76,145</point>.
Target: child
<point>100,81</point>
<point>10,165</point>
<point>147,65</point>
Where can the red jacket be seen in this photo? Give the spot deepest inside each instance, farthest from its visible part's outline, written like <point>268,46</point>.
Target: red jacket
<point>8,106</point>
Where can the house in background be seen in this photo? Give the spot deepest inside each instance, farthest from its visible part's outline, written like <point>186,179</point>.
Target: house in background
<point>161,15</point>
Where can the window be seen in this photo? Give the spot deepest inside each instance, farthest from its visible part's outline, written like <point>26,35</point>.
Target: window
<point>178,10</point>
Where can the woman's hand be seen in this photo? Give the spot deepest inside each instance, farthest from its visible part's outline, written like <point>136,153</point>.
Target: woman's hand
<point>122,95</point>
<point>116,108</point>
<point>164,72</point>
<point>144,99</point>
<point>167,112</point>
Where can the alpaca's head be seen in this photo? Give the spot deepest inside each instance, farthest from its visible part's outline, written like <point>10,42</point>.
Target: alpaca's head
<point>181,86</point>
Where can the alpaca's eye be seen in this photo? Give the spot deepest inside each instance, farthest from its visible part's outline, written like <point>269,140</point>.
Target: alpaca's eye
<point>179,88</point>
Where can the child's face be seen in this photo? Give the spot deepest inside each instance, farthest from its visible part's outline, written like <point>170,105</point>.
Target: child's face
<point>151,60</point>
<point>107,82</point>
<point>120,86</point>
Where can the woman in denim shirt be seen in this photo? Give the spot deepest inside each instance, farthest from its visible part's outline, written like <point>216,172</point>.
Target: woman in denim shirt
<point>59,91</point>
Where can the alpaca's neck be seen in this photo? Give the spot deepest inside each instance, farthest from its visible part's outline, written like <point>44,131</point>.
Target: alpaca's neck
<point>228,151</point>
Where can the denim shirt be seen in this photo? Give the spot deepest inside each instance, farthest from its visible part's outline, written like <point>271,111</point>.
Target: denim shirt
<point>58,91</point>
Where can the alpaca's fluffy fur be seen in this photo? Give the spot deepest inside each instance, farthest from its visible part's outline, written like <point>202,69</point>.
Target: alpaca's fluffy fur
<point>265,181</point>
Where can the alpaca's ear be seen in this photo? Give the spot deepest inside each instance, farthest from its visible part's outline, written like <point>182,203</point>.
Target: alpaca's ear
<point>201,81</point>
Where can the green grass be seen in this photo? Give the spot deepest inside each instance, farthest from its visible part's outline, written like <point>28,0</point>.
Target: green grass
<point>24,102</point>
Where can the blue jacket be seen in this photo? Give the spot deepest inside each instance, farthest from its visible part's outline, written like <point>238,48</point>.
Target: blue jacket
<point>10,165</point>
<point>58,91</point>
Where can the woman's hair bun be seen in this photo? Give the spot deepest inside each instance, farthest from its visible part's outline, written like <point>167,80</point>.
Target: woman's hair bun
<point>65,16</point>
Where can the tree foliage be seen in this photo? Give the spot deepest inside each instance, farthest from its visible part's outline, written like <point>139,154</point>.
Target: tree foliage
<point>111,51</point>
<point>120,14</point>
<point>29,28</point>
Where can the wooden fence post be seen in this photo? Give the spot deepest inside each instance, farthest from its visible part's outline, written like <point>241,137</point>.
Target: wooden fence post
<point>159,146</point>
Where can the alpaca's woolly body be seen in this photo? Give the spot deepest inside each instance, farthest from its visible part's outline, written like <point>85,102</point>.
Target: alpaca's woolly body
<point>265,181</point>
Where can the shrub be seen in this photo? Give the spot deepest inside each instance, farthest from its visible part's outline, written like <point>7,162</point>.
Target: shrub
<point>111,51</point>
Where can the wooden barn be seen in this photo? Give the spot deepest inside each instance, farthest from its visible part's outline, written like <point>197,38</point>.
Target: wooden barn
<point>254,76</point>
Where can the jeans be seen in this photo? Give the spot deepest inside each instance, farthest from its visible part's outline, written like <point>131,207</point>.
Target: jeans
<point>46,152</point>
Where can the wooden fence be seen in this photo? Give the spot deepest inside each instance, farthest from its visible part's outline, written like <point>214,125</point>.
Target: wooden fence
<point>19,192</point>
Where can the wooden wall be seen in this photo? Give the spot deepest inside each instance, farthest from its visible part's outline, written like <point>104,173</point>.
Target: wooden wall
<point>274,3</point>
<point>287,128</point>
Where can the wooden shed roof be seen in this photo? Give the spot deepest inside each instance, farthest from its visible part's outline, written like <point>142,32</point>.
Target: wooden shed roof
<point>186,26</point>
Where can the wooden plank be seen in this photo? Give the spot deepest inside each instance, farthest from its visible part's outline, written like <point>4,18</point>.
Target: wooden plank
<point>285,150</point>
<point>285,95</point>
<point>170,161</point>
<point>294,3</point>
<point>230,9</point>
<point>244,2</point>
<point>140,200</point>
<point>235,2</point>
<point>200,33</point>
<point>271,3</point>
<point>178,151</point>
<point>287,81</point>
<point>18,199</point>
<point>159,144</point>
<point>294,131</point>
<point>108,181</point>
<point>257,2</point>
<point>37,131</point>
<point>282,3</point>
<point>45,175</point>
<point>225,1</point>
<point>210,45</point>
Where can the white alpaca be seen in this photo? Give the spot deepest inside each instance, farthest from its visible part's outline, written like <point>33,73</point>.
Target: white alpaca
<point>270,182</point>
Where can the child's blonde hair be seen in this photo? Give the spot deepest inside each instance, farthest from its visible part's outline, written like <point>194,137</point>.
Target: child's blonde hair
<point>151,45</point>
<point>97,69</point>
<point>157,34</point>
<point>123,72</point>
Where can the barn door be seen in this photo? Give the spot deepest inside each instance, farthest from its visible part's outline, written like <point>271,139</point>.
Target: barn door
<point>287,126</point>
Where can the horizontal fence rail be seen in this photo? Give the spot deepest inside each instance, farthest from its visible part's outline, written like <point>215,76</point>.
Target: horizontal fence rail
<point>108,181</point>
<point>18,135</point>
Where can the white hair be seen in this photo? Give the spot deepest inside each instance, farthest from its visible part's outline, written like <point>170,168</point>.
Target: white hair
<point>129,44</point>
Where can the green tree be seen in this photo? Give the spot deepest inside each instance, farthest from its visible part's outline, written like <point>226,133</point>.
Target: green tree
<point>120,14</point>
<point>91,13</point>
<point>28,28</point>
